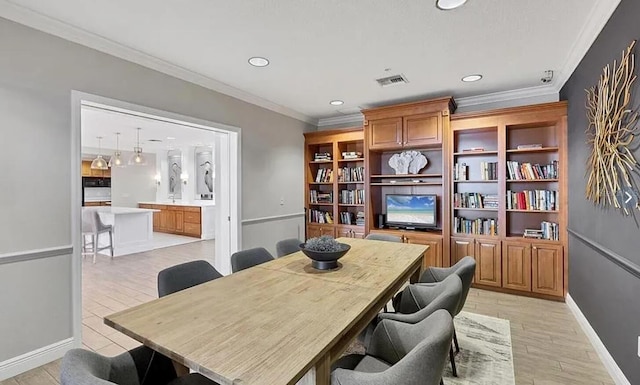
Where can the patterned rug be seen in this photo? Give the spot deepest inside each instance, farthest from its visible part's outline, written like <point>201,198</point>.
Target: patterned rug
<point>485,356</point>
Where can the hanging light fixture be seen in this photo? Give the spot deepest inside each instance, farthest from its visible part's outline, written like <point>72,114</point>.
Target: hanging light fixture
<point>137,158</point>
<point>116,159</point>
<point>99,163</point>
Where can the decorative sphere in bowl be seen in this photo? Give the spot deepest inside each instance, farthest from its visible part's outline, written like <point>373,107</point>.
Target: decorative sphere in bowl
<point>325,260</point>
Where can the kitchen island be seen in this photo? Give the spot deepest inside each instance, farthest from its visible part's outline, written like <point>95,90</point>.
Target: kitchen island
<point>132,229</point>
<point>193,219</point>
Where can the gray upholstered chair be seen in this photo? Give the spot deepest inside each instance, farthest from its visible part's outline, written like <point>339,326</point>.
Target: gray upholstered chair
<point>140,366</point>
<point>418,301</point>
<point>184,276</point>
<point>400,354</point>
<point>287,246</point>
<point>92,227</point>
<point>248,258</point>
<point>465,269</point>
<point>383,237</point>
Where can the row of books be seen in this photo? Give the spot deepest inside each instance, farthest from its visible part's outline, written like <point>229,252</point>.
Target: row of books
<point>324,175</point>
<point>320,216</point>
<point>349,218</point>
<point>528,171</point>
<point>460,171</point>
<point>352,197</point>
<point>548,230</point>
<point>351,174</point>
<point>320,197</point>
<point>480,226</point>
<point>321,156</point>
<point>475,201</point>
<point>532,200</point>
<point>489,170</point>
<point>351,155</point>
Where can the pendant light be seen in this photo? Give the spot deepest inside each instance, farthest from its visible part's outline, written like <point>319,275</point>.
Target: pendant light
<point>116,159</point>
<point>137,159</point>
<point>99,163</point>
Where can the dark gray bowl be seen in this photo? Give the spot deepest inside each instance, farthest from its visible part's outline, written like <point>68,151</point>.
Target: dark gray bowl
<point>325,260</point>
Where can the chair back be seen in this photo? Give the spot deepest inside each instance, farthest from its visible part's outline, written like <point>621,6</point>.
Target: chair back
<point>426,299</point>
<point>184,276</point>
<point>383,237</point>
<point>81,366</point>
<point>248,258</point>
<point>465,269</point>
<point>287,246</point>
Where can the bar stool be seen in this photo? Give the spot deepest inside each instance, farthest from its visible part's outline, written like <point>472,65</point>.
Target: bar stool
<point>92,227</point>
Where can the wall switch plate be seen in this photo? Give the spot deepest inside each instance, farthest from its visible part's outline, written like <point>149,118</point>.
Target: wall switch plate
<point>638,346</point>
<point>281,201</point>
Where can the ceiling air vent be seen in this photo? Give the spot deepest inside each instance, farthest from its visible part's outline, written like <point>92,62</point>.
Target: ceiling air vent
<point>392,80</point>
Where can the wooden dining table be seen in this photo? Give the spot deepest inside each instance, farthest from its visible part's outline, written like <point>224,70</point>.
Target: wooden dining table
<point>279,323</point>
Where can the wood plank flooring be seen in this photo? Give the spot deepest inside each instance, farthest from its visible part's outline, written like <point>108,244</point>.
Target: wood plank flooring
<point>549,348</point>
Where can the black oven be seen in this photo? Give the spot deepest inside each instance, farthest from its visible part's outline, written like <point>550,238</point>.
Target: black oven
<point>91,181</point>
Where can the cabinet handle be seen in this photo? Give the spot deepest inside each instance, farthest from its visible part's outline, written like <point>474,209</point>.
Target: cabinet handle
<point>535,247</point>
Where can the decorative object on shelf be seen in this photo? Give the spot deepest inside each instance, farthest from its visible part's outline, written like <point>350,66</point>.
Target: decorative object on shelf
<point>99,163</point>
<point>324,252</point>
<point>137,158</point>
<point>612,127</point>
<point>116,159</point>
<point>408,162</point>
<point>204,173</point>
<point>184,177</point>
<point>174,162</point>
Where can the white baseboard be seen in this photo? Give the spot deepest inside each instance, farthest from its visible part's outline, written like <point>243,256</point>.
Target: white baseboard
<point>33,359</point>
<point>608,361</point>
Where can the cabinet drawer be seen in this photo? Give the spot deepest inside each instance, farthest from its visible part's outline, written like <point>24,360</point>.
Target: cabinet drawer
<point>192,228</point>
<point>191,217</point>
<point>143,206</point>
<point>191,209</point>
<point>175,208</point>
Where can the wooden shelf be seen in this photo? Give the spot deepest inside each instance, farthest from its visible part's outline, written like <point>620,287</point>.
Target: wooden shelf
<point>474,236</point>
<point>476,181</point>
<point>525,150</point>
<point>321,183</point>
<point>474,209</point>
<point>412,176</point>
<point>532,211</point>
<point>321,204</point>
<point>361,182</point>
<point>350,205</point>
<point>351,160</point>
<point>520,238</point>
<point>531,180</point>
<point>407,184</point>
<point>463,153</point>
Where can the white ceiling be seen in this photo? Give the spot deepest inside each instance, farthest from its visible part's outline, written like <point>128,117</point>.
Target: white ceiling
<point>96,122</point>
<point>334,49</point>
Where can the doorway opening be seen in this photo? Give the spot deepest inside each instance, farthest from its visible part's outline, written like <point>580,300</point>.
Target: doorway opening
<point>162,189</point>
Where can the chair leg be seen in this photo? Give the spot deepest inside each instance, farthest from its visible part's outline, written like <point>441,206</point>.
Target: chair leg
<point>452,358</point>
<point>111,243</point>
<point>455,341</point>
<point>94,242</point>
<point>441,381</point>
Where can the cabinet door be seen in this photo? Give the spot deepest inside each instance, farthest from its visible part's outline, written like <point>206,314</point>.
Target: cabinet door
<point>327,230</point>
<point>433,256</point>
<point>385,133</point>
<point>516,266</point>
<point>95,172</point>
<point>422,129</point>
<point>547,266</point>
<point>460,248</point>
<point>86,168</point>
<point>343,232</point>
<point>106,173</point>
<point>179,221</point>
<point>358,233</point>
<point>170,220</point>
<point>313,231</point>
<point>156,221</point>
<point>489,262</point>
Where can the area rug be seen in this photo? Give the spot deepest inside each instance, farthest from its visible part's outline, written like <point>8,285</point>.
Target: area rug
<point>485,356</point>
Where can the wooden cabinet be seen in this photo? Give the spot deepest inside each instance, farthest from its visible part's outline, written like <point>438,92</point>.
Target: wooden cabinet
<point>547,269</point>
<point>460,248</point>
<point>315,230</point>
<point>488,256</point>
<point>433,256</point>
<point>516,266</point>
<point>385,133</point>
<point>349,232</point>
<point>421,130</point>
<point>183,220</point>
<point>86,168</point>
<point>88,171</point>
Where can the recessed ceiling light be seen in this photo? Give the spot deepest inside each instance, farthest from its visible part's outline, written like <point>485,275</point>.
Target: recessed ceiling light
<point>447,5</point>
<point>336,102</point>
<point>170,138</point>
<point>258,61</point>
<point>471,78</point>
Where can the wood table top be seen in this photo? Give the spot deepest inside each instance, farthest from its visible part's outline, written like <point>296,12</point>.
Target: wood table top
<point>270,324</point>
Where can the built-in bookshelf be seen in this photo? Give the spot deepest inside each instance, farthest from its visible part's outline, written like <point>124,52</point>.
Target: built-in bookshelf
<point>335,183</point>
<point>517,157</point>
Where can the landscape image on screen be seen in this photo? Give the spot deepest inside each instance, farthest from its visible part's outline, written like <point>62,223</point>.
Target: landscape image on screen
<point>411,209</point>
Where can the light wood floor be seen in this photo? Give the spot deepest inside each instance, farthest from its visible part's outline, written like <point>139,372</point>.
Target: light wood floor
<point>549,348</point>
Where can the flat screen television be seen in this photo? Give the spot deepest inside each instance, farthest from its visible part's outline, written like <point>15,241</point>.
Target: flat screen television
<point>411,211</point>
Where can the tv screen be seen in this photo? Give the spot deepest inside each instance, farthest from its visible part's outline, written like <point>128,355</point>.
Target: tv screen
<point>411,211</point>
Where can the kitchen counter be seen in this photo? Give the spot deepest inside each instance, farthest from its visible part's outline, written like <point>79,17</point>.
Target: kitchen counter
<point>194,219</point>
<point>122,210</point>
<point>180,203</point>
<point>132,229</point>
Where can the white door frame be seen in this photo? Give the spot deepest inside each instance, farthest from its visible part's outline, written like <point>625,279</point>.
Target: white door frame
<point>235,208</point>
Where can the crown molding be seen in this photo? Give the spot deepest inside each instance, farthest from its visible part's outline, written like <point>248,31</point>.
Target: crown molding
<point>503,96</point>
<point>30,18</point>
<point>595,23</point>
<point>357,118</point>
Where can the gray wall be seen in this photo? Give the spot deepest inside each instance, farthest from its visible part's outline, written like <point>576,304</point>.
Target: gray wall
<point>606,294</point>
<point>37,73</point>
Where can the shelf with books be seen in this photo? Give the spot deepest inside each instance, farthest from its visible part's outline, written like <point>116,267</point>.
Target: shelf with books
<point>320,161</point>
<point>413,176</point>
<point>532,180</point>
<point>476,181</point>
<point>416,184</point>
<point>532,149</point>
<point>351,160</point>
<point>321,183</point>
<point>474,209</point>
<point>532,200</point>
<point>351,204</point>
<point>475,227</point>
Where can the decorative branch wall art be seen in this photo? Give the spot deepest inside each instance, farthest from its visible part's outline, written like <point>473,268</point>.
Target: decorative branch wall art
<point>612,128</point>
